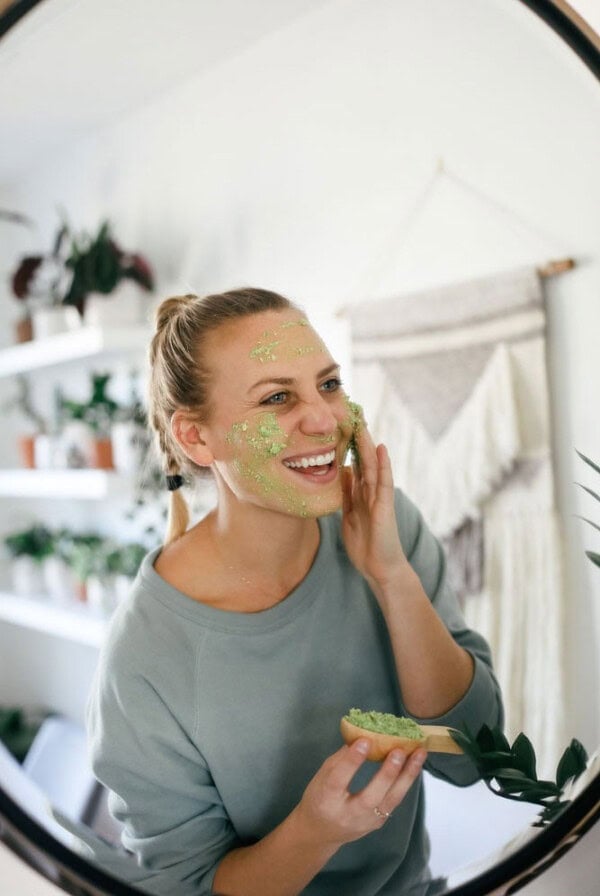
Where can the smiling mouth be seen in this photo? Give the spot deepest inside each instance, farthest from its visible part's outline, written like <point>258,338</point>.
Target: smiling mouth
<point>314,464</point>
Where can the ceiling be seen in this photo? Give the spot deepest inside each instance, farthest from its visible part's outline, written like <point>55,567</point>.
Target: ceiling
<point>71,66</point>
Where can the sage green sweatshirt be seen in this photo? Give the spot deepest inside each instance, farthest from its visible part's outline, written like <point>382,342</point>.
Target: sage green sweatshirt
<point>207,725</point>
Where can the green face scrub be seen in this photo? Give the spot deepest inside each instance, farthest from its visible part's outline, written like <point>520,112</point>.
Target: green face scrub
<point>294,342</point>
<point>355,423</point>
<point>257,443</point>
<point>385,723</point>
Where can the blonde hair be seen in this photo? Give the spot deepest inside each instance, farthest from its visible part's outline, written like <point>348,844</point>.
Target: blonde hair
<point>180,380</point>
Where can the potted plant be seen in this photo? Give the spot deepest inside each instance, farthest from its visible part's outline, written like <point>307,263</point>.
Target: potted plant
<point>99,266</point>
<point>59,580</point>
<point>80,552</point>
<point>36,427</point>
<point>99,414</point>
<point>75,448</point>
<point>100,580</point>
<point>28,548</point>
<point>129,434</point>
<point>75,279</point>
<point>40,283</point>
<point>86,439</point>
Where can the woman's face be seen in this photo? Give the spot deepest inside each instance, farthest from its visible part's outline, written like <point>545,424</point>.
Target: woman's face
<point>279,421</point>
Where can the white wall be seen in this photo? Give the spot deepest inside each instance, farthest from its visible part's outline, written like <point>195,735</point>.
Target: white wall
<point>297,164</point>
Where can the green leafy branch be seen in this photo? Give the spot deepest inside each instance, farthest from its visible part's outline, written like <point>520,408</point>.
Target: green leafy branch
<point>510,771</point>
<point>593,555</point>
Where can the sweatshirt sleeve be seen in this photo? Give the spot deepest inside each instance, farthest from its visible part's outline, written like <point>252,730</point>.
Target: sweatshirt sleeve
<point>482,703</point>
<point>160,786</point>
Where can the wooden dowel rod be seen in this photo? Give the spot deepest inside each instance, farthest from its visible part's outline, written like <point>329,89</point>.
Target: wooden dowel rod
<point>556,267</point>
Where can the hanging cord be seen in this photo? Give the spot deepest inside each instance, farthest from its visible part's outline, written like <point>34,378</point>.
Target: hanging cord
<point>510,214</point>
<point>371,277</point>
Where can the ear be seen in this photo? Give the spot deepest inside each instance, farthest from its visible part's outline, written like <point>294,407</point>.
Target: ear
<point>188,433</point>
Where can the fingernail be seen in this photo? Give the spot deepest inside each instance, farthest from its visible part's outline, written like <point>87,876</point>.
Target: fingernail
<point>397,758</point>
<point>362,746</point>
<point>419,758</point>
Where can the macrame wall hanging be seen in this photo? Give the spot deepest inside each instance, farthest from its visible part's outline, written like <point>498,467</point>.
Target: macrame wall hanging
<point>453,380</point>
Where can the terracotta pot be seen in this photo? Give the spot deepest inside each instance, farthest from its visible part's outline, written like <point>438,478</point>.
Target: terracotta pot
<point>26,450</point>
<point>24,330</point>
<point>102,454</point>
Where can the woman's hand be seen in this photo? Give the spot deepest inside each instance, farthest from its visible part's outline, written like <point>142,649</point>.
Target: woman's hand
<point>369,526</point>
<point>336,816</point>
<point>285,861</point>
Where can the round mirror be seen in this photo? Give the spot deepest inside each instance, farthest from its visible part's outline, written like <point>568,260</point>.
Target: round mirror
<point>346,154</point>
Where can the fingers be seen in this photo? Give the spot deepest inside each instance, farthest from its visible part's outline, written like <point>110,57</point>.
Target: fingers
<point>392,782</point>
<point>368,461</point>
<point>410,772</point>
<point>385,481</point>
<point>344,764</point>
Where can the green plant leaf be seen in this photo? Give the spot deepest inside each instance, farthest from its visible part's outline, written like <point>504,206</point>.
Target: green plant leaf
<point>465,741</point>
<point>585,520</point>
<point>485,739</point>
<point>512,774</point>
<point>588,461</point>
<point>524,755</point>
<point>571,764</point>
<point>593,556</point>
<point>589,491</point>
<point>539,794</point>
<point>501,745</point>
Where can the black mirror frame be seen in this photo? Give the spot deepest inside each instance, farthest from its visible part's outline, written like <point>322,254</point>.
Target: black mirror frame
<point>514,870</point>
<point>29,840</point>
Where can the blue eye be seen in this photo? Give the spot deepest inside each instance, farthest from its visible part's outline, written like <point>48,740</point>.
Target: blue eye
<point>277,398</point>
<point>332,385</point>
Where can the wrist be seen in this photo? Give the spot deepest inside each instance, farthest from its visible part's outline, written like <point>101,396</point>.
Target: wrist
<point>399,579</point>
<point>310,837</point>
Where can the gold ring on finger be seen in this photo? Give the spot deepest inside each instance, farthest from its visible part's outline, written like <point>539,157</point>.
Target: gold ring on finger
<point>381,814</point>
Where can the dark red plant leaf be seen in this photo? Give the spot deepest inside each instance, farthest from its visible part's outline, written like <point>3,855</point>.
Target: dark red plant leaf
<point>24,274</point>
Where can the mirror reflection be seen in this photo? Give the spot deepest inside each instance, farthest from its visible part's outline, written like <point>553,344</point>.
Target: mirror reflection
<point>406,174</point>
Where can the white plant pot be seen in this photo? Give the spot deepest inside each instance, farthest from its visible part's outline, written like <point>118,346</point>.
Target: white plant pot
<point>127,446</point>
<point>100,596</point>
<point>56,319</point>
<point>76,445</point>
<point>27,577</point>
<point>58,580</point>
<point>122,308</point>
<point>44,450</point>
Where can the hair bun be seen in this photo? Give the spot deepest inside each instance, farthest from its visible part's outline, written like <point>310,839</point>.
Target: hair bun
<point>171,308</point>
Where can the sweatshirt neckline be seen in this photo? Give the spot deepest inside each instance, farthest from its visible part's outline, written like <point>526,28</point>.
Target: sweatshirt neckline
<point>230,621</point>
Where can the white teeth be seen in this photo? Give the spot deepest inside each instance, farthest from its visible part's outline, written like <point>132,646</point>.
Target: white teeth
<point>318,460</point>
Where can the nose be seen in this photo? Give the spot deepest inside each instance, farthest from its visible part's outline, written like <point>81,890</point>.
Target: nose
<point>318,417</point>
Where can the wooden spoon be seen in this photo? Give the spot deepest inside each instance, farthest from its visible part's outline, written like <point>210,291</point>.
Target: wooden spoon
<point>436,739</point>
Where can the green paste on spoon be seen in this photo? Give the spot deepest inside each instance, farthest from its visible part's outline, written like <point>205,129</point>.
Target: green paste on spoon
<point>385,723</point>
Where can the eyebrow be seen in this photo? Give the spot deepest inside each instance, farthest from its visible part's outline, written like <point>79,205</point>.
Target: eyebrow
<point>287,380</point>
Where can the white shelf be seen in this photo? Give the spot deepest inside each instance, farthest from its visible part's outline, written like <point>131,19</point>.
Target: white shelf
<point>90,485</point>
<point>80,344</point>
<point>75,623</point>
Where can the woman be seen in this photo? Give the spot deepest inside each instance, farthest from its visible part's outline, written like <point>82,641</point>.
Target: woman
<point>215,715</point>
